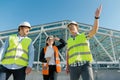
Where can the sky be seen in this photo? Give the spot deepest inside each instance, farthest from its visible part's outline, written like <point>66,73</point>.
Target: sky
<point>13,12</point>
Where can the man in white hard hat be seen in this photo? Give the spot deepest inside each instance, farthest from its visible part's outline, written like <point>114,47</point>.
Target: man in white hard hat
<point>79,57</point>
<point>17,54</point>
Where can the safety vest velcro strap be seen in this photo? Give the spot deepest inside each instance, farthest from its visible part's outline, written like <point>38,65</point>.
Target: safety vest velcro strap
<point>18,49</point>
<point>9,57</point>
<point>81,44</point>
<point>79,53</point>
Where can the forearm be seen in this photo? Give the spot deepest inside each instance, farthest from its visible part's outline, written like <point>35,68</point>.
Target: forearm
<point>94,28</point>
<point>31,56</point>
<point>96,25</point>
<point>30,62</point>
<point>42,54</point>
<point>48,59</point>
<point>3,49</point>
<point>67,60</point>
<point>63,43</point>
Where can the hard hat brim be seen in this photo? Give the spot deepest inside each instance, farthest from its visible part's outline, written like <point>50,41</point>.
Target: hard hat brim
<point>25,26</point>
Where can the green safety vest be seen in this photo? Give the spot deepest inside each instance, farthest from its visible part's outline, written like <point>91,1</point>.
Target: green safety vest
<point>78,49</point>
<point>17,52</point>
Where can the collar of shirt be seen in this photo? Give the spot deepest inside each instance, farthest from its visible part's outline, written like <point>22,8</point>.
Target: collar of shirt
<point>75,35</point>
<point>20,38</point>
<point>50,46</point>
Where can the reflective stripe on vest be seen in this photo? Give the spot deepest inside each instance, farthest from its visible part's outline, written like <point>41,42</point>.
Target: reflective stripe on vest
<point>17,52</point>
<point>78,49</point>
<point>45,67</point>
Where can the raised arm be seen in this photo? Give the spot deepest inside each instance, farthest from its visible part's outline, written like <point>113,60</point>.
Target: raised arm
<point>96,22</point>
<point>62,43</point>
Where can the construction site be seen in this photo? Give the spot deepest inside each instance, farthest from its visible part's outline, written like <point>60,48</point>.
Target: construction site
<point>105,48</point>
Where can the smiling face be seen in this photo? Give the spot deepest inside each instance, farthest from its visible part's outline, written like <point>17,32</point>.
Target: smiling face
<point>50,41</point>
<point>73,29</point>
<point>24,30</point>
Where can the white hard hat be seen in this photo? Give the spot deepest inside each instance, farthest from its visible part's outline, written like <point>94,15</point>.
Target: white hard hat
<point>73,22</point>
<point>25,24</point>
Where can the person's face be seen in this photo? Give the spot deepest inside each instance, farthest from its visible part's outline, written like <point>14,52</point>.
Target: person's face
<point>24,30</point>
<point>50,41</point>
<point>73,29</point>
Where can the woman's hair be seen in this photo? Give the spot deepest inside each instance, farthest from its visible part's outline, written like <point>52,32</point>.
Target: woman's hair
<point>47,40</point>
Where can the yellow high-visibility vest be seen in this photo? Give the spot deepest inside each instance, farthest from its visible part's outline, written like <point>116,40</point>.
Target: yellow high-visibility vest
<point>17,52</point>
<point>78,49</point>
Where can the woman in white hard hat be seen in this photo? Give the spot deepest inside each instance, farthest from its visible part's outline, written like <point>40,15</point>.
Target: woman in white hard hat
<point>18,54</point>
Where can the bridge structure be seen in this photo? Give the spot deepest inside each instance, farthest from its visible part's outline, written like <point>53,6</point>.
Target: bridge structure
<point>105,45</point>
